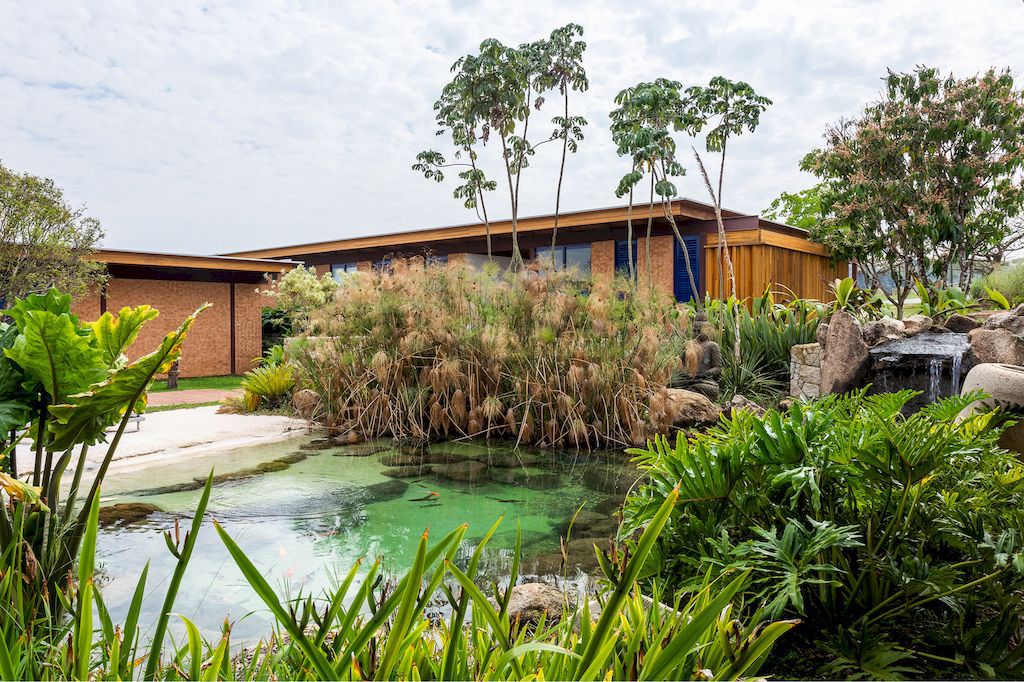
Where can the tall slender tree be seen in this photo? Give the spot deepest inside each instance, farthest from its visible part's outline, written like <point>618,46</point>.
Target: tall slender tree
<point>563,70</point>
<point>725,108</point>
<point>642,126</point>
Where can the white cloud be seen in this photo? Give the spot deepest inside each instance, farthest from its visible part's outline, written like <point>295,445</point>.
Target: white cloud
<point>229,125</point>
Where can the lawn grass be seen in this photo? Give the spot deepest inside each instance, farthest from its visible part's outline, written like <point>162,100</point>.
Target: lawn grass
<point>165,408</point>
<point>226,383</point>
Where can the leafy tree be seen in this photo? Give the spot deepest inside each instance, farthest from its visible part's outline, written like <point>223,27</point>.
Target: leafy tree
<point>926,178</point>
<point>297,293</point>
<point>801,209</point>
<point>44,240</point>
<point>563,69</point>
<point>726,108</point>
<point>494,93</point>
<point>642,126</point>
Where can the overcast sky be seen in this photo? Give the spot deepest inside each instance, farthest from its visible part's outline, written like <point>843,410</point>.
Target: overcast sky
<point>218,126</point>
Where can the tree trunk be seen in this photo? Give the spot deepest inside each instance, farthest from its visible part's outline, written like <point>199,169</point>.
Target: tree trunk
<point>686,256</point>
<point>561,174</point>
<point>650,221</point>
<point>517,256</point>
<point>483,206</point>
<point>629,237</point>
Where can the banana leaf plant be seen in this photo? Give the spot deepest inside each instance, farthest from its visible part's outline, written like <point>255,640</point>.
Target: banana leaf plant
<point>63,384</point>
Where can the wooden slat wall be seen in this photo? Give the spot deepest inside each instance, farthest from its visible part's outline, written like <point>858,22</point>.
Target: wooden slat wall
<point>806,275</point>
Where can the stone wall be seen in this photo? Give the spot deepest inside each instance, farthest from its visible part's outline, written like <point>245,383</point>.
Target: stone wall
<point>805,371</point>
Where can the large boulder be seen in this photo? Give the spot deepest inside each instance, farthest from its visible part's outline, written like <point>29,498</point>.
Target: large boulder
<point>961,324</point>
<point>917,324</point>
<point>126,513</point>
<point>687,408</point>
<point>997,345</point>
<point>845,354</point>
<point>1011,321</point>
<point>1005,386</point>
<point>531,601</point>
<point>885,329</point>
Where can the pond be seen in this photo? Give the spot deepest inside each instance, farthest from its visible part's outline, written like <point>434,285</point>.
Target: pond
<point>304,513</point>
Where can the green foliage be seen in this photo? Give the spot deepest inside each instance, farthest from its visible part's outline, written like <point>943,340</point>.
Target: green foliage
<point>71,382</point>
<point>768,330</point>
<point>925,179</point>
<point>800,209</point>
<point>44,240</point>
<point>299,291</point>
<point>896,539</point>
<point>267,385</point>
<point>1006,280</point>
<point>938,302</point>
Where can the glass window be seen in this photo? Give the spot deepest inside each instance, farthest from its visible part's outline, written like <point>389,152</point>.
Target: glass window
<point>575,256</point>
<point>340,269</point>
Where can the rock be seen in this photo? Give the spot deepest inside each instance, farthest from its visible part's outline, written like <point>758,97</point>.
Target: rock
<point>126,513</point>
<point>406,472</point>
<point>845,357</point>
<point>740,402</point>
<point>512,458</point>
<point>610,479</point>
<point>1012,321</point>
<point>401,459</point>
<point>589,524</point>
<point>362,450</point>
<point>885,329</point>
<point>687,408</point>
<point>319,444</point>
<point>916,324</point>
<point>271,466</point>
<point>387,490</point>
<point>529,602</point>
<point>533,478</point>
<point>995,345</point>
<point>805,370</point>
<point>806,354</point>
<point>785,404</point>
<point>1005,385</point>
<point>470,470</point>
<point>581,557</point>
<point>961,323</point>
<point>822,333</point>
<point>306,402</point>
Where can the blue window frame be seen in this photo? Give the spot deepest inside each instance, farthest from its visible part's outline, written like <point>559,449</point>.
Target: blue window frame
<point>622,256</point>
<point>575,255</point>
<point>437,260</point>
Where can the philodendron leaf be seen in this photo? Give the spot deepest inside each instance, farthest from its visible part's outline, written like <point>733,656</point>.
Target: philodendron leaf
<point>113,335</point>
<point>51,351</point>
<point>15,401</point>
<point>89,414</point>
<point>52,301</point>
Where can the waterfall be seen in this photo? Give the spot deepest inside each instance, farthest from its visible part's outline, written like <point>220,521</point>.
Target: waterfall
<point>934,377</point>
<point>954,384</point>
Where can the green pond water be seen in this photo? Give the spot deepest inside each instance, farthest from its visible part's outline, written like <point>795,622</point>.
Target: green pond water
<point>304,516</point>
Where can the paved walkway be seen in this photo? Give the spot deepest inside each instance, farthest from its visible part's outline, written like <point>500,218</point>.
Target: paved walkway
<point>190,396</point>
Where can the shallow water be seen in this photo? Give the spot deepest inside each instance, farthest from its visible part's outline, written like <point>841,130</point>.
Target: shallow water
<point>305,516</point>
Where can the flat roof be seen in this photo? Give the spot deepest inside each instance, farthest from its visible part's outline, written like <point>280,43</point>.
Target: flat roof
<point>687,208</point>
<point>180,260</point>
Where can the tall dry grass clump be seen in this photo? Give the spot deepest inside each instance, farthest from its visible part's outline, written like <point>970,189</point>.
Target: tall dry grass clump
<point>442,351</point>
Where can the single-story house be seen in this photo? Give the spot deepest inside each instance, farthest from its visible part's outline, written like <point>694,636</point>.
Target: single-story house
<point>227,337</point>
<point>764,253</point>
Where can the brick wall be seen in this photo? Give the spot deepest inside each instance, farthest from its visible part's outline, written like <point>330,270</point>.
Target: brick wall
<point>662,251</point>
<point>364,266</point>
<point>207,349</point>
<point>602,259</point>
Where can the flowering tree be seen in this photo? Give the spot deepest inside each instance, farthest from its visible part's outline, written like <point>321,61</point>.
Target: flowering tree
<point>926,179</point>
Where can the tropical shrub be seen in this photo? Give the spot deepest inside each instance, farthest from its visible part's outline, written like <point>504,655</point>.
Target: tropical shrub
<point>768,331</point>
<point>295,294</point>
<point>428,351</point>
<point>896,539</point>
<point>63,383</point>
<point>267,385</point>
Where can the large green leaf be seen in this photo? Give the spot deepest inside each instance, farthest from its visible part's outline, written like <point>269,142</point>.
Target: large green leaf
<point>113,335</point>
<point>50,350</point>
<point>89,414</point>
<point>52,301</point>
<point>15,401</point>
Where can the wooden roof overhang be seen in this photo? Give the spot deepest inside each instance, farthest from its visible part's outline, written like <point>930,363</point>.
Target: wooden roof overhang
<point>188,268</point>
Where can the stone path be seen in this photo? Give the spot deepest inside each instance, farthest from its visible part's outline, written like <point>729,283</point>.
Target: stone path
<point>190,396</point>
